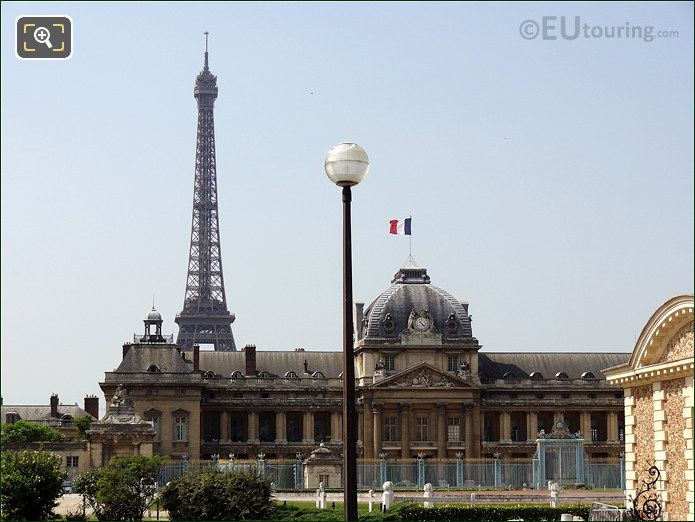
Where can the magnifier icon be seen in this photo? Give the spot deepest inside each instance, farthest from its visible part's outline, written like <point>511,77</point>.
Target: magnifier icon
<point>42,35</point>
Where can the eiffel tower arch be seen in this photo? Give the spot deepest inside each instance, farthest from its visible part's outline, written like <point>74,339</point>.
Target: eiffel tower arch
<point>205,318</point>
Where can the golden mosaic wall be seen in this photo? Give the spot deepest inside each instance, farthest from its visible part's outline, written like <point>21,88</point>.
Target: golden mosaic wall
<point>675,464</point>
<point>644,429</point>
<point>680,346</point>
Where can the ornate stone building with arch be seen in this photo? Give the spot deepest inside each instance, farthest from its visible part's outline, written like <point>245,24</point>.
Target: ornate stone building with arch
<point>658,384</point>
<point>424,386</point>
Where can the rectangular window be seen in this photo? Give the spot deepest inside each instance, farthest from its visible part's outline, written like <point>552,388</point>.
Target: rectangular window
<point>452,364</point>
<point>180,429</point>
<point>154,420</point>
<point>72,462</point>
<point>454,429</point>
<point>389,363</point>
<point>324,479</point>
<point>390,429</point>
<point>594,434</point>
<point>422,433</point>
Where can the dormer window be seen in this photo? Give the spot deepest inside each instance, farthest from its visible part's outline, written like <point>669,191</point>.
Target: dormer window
<point>237,376</point>
<point>209,375</point>
<point>153,368</point>
<point>562,376</point>
<point>318,375</point>
<point>264,375</point>
<point>509,376</point>
<point>291,375</point>
<point>588,376</point>
<point>536,376</point>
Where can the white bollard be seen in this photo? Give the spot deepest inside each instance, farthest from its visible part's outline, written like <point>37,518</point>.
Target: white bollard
<point>429,493</point>
<point>371,500</point>
<point>387,495</point>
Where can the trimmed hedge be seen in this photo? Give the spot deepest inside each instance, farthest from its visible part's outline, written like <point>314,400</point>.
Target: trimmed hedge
<point>485,513</point>
<point>219,495</point>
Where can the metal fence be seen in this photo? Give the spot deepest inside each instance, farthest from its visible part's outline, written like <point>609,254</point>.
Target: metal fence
<point>441,474</point>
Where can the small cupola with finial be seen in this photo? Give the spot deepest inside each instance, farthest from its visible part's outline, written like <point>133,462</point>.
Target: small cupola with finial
<point>153,327</point>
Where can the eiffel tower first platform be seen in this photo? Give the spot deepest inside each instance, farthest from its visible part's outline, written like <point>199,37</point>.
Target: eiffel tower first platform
<point>205,318</point>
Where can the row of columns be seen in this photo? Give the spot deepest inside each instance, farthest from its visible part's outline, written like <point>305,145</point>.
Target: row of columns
<point>371,428</point>
<point>612,428</point>
<point>252,427</point>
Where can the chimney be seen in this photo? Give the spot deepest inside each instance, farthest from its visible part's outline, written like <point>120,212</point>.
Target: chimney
<point>54,405</point>
<point>196,358</point>
<point>250,352</point>
<point>91,405</point>
<point>359,315</point>
<point>126,347</point>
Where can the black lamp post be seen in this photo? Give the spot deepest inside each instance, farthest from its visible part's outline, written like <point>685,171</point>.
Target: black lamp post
<point>346,165</point>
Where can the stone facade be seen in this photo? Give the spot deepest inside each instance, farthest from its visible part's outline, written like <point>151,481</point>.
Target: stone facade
<point>423,387</point>
<point>658,383</point>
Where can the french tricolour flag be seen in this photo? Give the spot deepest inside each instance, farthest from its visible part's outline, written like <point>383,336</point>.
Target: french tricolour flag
<point>400,226</point>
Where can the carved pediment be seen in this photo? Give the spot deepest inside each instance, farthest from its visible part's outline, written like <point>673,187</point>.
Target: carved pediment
<point>423,376</point>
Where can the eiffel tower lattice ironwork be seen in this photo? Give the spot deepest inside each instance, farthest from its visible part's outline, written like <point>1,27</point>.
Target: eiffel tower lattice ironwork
<point>205,318</point>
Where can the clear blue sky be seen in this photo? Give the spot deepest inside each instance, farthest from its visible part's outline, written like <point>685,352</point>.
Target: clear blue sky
<point>550,182</point>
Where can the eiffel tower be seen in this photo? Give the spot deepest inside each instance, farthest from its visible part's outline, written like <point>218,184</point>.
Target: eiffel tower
<point>205,318</point>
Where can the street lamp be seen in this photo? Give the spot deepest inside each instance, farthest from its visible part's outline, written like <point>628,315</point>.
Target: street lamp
<point>346,165</point>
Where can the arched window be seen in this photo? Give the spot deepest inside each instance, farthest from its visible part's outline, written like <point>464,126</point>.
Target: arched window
<point>562,376</point>
<point>536,376</point>
<point>237,375</point>
<point>67,417</point>
<point>264,375</point>
<point>588,376</point>
<point>11,417</point>
<point>509,376</point>
<point>153,368</point>
<point>318,375</point>
<point>209,375</point>
<point>291,375</point>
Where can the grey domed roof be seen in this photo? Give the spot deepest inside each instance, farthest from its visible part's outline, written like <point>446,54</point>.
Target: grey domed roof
<point>154,315</point>
<point>388,314</point>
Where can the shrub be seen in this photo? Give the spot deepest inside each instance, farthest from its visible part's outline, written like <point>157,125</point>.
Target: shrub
<point>219,495</point>
<point>25,431</point>
<point>485,512</point>
<point>82,424</point>
<point>30,482</point>
<point>121,490</point>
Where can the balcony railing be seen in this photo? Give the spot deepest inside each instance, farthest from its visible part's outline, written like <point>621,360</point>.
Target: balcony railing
<point>140,338</point>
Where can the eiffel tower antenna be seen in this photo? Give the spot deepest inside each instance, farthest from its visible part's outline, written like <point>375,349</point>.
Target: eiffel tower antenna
<point>205,318</point>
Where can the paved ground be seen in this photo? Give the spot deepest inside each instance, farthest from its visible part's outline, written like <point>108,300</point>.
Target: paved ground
<point>73,502</point>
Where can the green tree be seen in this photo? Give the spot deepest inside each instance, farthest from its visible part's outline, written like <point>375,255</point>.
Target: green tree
<point>123,489</point>
<point>219,495</point>
<point>30,482</point>
<point>82,424</point>
<point>26,431</point>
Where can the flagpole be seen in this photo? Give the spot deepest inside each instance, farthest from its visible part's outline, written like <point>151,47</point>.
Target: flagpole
<point>410,242</point>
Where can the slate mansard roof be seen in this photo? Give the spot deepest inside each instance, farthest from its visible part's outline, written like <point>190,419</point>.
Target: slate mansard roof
<point>411,289</point>
<point>330,364</point>
<point>39,413</point>
<point>548,364</point>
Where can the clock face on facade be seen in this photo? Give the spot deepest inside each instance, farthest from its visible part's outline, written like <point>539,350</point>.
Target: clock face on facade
<point>422,323</point>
